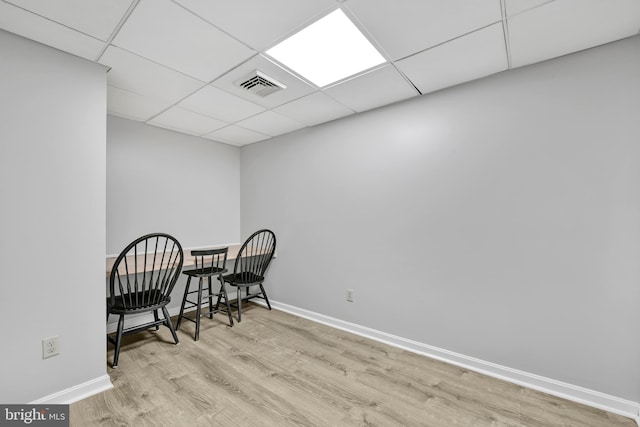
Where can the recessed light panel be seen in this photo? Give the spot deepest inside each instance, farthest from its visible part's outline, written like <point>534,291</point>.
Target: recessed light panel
<point>328,50</point>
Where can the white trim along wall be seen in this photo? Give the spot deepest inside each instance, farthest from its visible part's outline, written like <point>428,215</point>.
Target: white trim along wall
<point>567,391</point>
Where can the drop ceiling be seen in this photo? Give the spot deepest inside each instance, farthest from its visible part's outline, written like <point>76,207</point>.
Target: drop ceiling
<point>174,63</point>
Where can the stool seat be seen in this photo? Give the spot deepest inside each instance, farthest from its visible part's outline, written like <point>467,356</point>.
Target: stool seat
<point>204,272</point>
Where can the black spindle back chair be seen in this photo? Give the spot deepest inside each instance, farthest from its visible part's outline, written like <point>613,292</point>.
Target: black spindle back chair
<point>142,279</point>
<point>208,263</point>
<point>250,267</point>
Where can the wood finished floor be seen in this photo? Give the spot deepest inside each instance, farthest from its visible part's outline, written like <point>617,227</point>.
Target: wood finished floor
<point>275,369</point>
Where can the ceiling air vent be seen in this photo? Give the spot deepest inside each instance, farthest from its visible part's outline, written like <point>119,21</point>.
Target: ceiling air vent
<point>259,83</point>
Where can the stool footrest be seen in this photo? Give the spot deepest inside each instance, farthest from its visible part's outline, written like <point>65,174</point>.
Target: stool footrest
<point>207,306</point>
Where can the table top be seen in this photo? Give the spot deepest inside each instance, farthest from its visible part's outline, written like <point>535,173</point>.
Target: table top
<point>189,260</point>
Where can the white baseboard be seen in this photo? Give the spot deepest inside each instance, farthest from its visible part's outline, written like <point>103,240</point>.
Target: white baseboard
<point>550,386</point>
<point>77,392</point>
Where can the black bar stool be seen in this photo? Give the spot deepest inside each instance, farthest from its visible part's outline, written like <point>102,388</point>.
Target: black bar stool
<point>208,263</point>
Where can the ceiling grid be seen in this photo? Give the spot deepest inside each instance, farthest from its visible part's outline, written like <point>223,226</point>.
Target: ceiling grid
<point>173,63</point>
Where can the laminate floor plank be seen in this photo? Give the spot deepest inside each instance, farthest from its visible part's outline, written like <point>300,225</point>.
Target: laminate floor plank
<point>275,369</point>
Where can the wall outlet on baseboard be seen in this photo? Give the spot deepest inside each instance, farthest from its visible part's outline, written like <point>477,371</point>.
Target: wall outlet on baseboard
<point>350,294</point>
<point>50,346</point>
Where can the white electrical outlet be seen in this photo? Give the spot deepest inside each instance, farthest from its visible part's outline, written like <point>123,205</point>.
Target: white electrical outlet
<point>50,346</point>
<point>350,295</point>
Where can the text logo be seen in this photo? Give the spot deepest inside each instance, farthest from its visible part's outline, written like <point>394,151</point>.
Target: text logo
<point>34,415</point>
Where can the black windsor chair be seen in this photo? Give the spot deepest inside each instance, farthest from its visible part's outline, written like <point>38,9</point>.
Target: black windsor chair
<point>141,281</point>
<point>208,263</point>
<point>250,267</point>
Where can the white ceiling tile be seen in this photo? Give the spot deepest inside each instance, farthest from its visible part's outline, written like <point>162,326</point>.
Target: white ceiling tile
<point>296,88</point>
<point>314,109</point>
<point>34,27</point>
<point>97,18</point>
<point>259,23</point>
<point>404,27</point>
<point>270,123</point>
<point>566,26</point>
<point>169,51</point>
<point>168,34</point>
<point>236,135</point>
<point>467,58</point>
<point>513,7</point>
<point>216,103</point>
<point>136,74</point>
<point>131,105</point>
<point>186,121</point>
<point>374,89</point>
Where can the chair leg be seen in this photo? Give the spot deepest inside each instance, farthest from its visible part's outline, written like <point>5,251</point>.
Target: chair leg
<point>119,333</point>
<point>239,300</point>
<point>170,324</point>
<point>223,292</point>
<point>184,301</point>
<point>219,293</point>
<point>157,319</point>
<point>264,294</point>
<point>210,298</point>
<point>196,337</point>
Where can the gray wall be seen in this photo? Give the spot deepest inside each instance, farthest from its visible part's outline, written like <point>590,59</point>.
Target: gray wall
<point>160,180</point>
<point>498,219</point>
<point>52,235</point>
